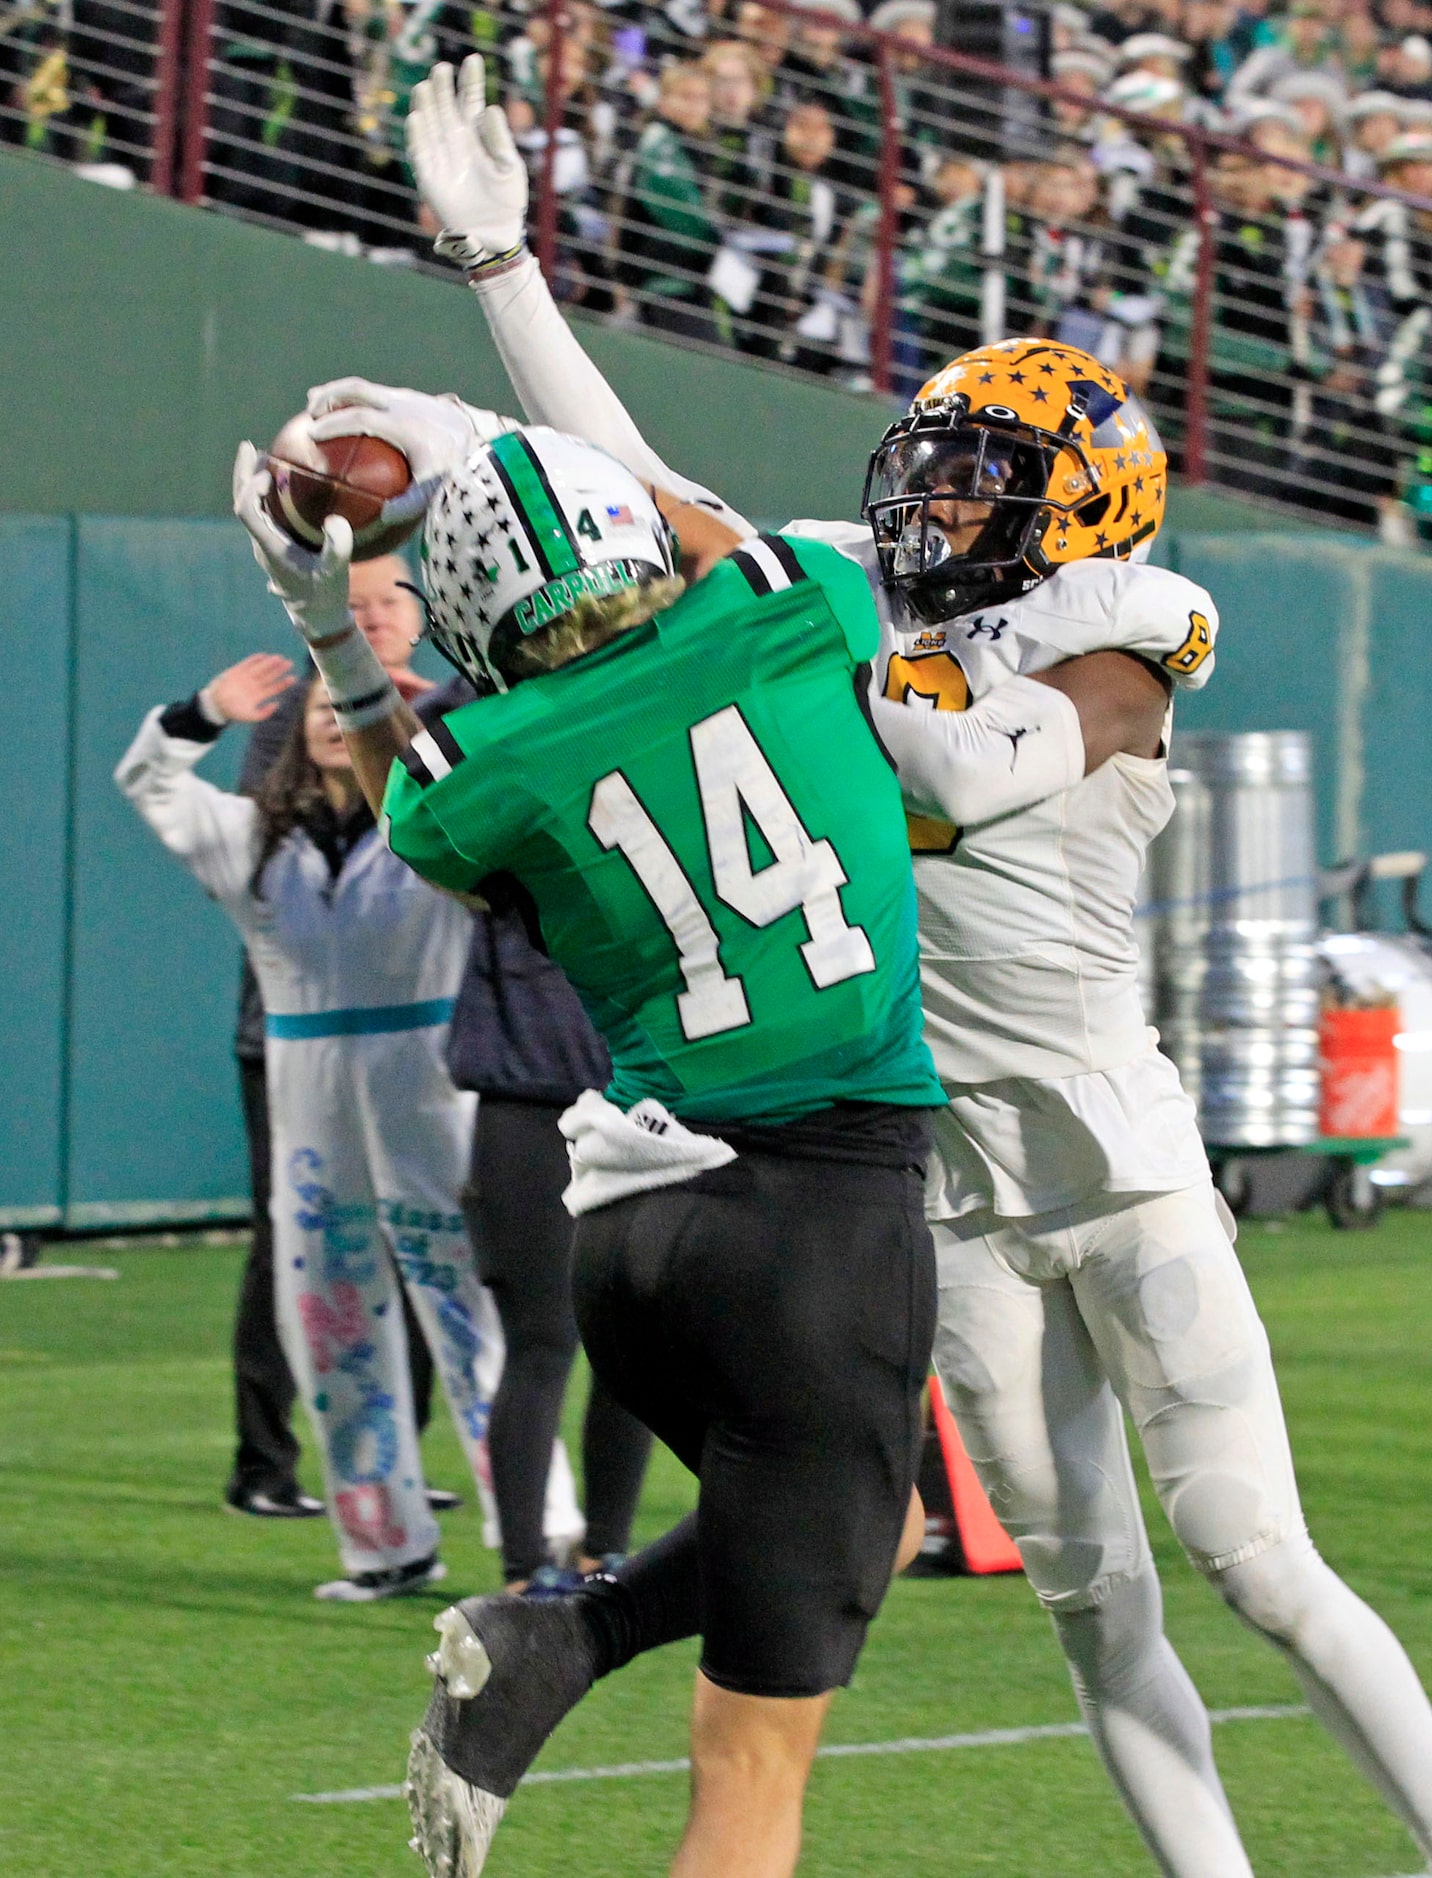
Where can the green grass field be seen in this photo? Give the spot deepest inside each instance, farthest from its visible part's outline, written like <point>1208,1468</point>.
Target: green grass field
<point>168,1684</point>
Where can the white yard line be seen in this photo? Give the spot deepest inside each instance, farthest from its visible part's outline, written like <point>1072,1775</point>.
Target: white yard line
<point>930,1744</point>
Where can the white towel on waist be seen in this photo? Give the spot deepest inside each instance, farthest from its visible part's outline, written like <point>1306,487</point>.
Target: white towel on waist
<point>613,1154</point>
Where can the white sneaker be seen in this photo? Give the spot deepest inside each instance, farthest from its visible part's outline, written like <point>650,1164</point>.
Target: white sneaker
<point>367,1587</point>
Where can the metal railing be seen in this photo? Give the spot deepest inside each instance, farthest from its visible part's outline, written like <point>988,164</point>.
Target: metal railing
<point>814,194</point>
<point>93,82</point>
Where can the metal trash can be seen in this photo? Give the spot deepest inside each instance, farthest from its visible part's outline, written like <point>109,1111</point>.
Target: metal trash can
<point>1237,969</point>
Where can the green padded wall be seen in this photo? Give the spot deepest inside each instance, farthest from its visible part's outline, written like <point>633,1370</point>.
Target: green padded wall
<point>154,1125</point>
<point>35,556</point>
<point>1282,604</point>
<point>1397,714</point>
<point>1328,635</point>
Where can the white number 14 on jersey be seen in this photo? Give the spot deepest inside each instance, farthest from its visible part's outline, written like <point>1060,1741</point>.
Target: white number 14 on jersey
<point>735,780</point>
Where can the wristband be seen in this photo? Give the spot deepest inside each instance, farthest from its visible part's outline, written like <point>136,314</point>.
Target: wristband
<point>493,267</point>
<point>189,721</point>
<point>359,689</point>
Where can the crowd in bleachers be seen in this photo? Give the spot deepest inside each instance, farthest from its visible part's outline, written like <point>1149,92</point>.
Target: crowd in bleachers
<point>718,164</point>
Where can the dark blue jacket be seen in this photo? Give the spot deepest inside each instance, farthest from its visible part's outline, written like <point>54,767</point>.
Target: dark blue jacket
<point>519,1032</point>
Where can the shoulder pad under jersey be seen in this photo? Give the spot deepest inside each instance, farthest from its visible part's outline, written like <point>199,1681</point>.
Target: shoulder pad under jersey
<point>855,541</point>
<point>1098,606</point>
<point>852,538</point>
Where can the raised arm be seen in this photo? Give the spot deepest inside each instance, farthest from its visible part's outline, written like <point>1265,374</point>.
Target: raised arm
<point>377,724</point>
<point>209,829</point>
<point>474,180</point>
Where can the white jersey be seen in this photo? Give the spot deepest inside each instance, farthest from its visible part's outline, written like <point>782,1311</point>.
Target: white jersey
<point>1028,965</point>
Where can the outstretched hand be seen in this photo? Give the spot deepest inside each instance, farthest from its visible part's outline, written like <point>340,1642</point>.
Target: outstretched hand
<point>312,585</point>
<point>435,434</point>
<point>468,168</point>
<point>249,692</point>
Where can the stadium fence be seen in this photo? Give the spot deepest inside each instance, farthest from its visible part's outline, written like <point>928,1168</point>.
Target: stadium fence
<point>1253,299</point>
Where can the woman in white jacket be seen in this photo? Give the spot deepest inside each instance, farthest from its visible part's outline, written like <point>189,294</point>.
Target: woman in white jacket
<point>359,962</point>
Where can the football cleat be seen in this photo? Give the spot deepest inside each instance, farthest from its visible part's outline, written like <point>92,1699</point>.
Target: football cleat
<point>290,1504</point>
<point>553,1581</point>
<point>453,1821</point>
<point>399,1582</point>
<point>507,1671</point>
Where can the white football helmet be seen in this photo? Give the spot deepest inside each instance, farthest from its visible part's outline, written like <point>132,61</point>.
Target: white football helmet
<point>532,522</point>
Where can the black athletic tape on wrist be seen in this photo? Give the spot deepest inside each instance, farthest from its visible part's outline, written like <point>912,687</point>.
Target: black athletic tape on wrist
<point>353,711</point>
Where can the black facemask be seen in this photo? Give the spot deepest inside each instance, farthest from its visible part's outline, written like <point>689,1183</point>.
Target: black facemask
<point>925,463</point>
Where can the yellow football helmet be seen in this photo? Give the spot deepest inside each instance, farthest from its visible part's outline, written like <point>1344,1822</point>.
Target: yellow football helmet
<point>1012,461</point>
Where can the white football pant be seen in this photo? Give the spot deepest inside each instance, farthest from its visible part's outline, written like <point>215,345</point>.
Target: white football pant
<point>1046,1327</point>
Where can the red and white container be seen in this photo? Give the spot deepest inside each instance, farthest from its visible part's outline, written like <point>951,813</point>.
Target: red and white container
<point>1358,1061</point>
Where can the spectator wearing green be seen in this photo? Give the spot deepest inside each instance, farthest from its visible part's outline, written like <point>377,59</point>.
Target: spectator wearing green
<point>942,271</point>
<point>669,235</point>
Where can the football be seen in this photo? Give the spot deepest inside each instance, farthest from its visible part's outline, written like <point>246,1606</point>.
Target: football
<point>348,476</point>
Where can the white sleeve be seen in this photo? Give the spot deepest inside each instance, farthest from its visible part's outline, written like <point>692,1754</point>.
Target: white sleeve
<point>1168,619</point>
<point>1019,744</point>
<point>557,384</point>
<point>853,539</point>
<point>209,829</point>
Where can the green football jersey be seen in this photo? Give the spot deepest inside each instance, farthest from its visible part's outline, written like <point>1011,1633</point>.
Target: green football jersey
<point>714,841</point>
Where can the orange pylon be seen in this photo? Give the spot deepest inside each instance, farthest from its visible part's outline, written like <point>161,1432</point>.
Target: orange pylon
<point>987,1547</point>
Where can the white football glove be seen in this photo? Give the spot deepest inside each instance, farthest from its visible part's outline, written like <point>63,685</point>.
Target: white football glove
<point>436,435</point>
<point>468,169</point>
<point>313,586</point>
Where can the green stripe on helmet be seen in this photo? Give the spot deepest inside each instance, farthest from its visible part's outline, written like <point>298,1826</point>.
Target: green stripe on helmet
<point>532,498</point>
